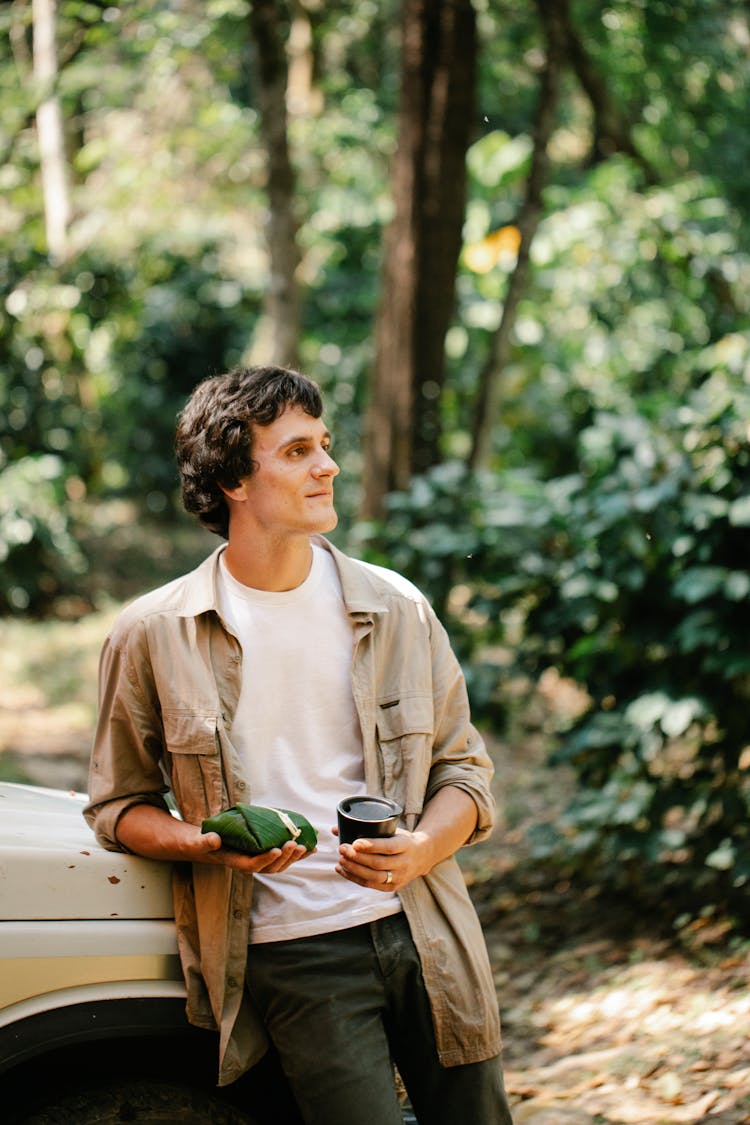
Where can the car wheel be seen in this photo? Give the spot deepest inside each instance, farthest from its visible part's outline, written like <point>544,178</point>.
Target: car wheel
<point>145,1102</point>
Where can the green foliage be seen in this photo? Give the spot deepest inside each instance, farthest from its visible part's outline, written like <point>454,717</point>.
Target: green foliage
<point>166,273</point>
<point>607,539</point>
<point>629,577</point>
<point>38,555</point>
<point>643,598</point>
<point>607,542</point>
<point>180,323</point>
<point>100,356</point>
<point>458,536</point>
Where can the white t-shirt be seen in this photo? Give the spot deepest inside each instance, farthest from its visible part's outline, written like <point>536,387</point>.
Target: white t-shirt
<point>297,734</point>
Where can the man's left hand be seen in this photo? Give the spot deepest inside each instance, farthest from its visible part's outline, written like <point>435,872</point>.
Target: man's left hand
<point>386,864</point>
<point>447,822</point>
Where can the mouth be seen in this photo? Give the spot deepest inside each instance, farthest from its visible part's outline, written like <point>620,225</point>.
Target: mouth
<point>327,495</point>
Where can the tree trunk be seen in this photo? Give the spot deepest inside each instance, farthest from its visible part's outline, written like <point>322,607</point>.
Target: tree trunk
<point>488,394</point>
<point>50,131</point>
<point>277,338</point>
<point>422,244</point>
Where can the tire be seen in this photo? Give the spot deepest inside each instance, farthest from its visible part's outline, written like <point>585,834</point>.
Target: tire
<point>144,1102</point>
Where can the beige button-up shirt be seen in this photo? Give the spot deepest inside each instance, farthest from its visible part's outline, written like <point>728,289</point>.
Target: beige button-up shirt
<point>170,678</point>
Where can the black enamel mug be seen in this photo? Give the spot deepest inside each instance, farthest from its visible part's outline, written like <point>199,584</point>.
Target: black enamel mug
<point>366,816</point>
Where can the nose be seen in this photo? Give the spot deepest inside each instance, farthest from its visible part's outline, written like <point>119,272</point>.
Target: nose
<point>325,465</point>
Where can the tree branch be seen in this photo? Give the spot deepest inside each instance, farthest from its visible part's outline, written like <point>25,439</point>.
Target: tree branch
<point>612,129</point>
<point>486,405</point>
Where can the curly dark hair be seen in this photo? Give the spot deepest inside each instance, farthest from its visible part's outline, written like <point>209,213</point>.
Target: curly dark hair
<point>214,437</point>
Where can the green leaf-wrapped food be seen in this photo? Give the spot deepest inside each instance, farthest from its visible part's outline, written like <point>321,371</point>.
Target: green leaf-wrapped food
<point>254,829</point>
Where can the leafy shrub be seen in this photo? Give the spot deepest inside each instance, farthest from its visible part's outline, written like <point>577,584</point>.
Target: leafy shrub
<point>450,534</point>
<point>645,600</point>
<point>630,576</point>
<point>38,555</point>
<point>98,356</point>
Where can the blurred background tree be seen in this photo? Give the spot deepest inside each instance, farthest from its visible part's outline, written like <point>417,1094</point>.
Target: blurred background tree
<point>514,251</point>
<point>436,122</point>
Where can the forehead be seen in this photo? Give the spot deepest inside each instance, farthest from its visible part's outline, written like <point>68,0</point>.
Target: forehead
<point>293,424</point>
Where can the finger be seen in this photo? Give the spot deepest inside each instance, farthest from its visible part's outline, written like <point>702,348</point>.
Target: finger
<point>370,873</point>
<point>290,853</point>
<point>365,848</point>
<point>367,861</point>
<point>294,854</point>
<point>265,860</point>
<point>373,878</point>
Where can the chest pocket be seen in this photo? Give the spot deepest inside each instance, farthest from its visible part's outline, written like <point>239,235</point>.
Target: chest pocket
<point>194,762</point>
<point>404,732</point>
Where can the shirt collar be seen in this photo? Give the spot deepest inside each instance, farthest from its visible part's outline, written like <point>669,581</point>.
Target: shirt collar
<point>200,594</point>
<point>360,593</point>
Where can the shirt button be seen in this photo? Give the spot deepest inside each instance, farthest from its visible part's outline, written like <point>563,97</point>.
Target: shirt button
<point>241,785</point>
<point>237,914</point>
<point>232,982</point>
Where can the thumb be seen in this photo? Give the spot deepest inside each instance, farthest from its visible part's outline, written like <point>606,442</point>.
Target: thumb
<point>211,841</point>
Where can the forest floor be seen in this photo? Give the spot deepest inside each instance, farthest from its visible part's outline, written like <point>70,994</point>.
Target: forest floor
<point>611,1016</point>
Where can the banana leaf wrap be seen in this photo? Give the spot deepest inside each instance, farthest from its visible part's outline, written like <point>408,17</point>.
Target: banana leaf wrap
<point>254,829</point>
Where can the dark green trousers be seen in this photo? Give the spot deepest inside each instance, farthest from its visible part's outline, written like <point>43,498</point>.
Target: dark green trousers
<point>342,1008</point>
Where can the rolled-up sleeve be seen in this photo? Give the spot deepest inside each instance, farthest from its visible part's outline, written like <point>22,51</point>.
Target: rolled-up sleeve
<point>125,767</point>
<point>459,756</point>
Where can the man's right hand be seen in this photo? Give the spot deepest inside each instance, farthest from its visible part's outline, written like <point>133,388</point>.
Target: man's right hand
<point>154,833</point>
<point>277,859</point>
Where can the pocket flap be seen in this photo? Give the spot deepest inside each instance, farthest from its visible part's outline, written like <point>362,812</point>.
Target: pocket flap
<point>411,714</point>
<point>191,732</point>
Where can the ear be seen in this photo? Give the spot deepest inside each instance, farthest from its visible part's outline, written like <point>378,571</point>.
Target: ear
<point>237,493</point>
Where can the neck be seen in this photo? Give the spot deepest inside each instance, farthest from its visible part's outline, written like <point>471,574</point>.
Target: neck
<point>265,567</point>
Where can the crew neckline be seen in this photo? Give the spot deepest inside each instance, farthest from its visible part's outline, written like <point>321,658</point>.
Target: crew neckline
<point>238,589</point>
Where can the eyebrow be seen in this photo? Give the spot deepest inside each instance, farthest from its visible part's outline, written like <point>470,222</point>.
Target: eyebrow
<point>305,439</point>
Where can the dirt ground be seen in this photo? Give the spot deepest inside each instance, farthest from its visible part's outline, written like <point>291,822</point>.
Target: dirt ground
<point>609,1017</point>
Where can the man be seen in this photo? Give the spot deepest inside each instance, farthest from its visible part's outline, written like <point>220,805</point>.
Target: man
<point>283,673</point>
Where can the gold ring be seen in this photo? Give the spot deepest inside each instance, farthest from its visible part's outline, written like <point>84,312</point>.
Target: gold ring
<point>388,878</point>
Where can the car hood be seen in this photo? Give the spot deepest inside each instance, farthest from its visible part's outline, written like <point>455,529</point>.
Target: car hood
<point>51,866</point>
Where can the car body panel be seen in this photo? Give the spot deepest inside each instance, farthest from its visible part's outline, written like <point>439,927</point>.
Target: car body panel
<point>51,866</point>
<point>73,915</point>
<point>43,959</point>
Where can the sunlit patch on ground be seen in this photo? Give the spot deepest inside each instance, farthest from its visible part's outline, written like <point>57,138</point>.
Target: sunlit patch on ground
<point>606,1020</point>
<point>655,1041</point>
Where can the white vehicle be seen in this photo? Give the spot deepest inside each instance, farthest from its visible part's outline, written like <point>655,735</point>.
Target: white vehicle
<point>92,1002</point>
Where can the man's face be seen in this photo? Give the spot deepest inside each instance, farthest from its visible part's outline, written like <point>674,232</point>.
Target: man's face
<point>291,490</point>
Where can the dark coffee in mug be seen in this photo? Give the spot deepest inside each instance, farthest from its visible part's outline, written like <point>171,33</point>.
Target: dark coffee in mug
<point>367,816</point>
